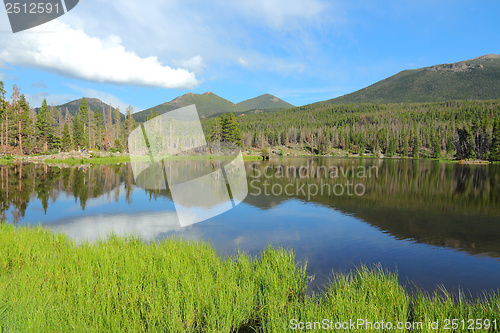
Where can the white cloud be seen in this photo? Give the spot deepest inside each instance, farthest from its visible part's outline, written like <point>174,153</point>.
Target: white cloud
<point>148,226</point>
<point>242,62</point>
<point>72,52</point>
<point>195,64</point>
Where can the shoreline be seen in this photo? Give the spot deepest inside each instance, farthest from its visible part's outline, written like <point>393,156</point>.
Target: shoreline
<point>99,158</point>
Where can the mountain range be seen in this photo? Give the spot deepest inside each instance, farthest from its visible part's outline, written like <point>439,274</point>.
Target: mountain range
<point>476,79</point>
<point>209,104</point>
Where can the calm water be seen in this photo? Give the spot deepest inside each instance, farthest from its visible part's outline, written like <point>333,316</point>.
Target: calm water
<point>435,223</point>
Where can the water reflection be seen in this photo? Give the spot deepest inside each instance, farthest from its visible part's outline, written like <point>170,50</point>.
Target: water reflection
<point>434,222</point>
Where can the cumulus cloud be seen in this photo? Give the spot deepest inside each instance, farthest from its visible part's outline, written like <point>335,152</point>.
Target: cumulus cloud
<point>195,64</point>
<point>74,53</point>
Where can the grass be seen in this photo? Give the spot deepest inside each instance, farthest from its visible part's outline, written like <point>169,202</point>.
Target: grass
<point>125,159</point>
<point>6,159</point>
<point>50,284</point>
<point>95,160</point>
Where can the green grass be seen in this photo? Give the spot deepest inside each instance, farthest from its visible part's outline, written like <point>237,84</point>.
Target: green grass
<point>50,284</point>
<point>95,160</point>
<point>125,159</point>
<point>4,161</point>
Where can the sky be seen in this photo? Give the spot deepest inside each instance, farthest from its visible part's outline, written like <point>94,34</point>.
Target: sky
<point>144,53</point>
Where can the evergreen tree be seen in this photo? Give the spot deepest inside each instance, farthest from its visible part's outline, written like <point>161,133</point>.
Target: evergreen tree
<point>449,146</point>
<point>3,111</point>
<point>436,147</point>
<point>118,127</point>
<point>495,144</point>
<point>230,130</point>
<point>78,139</point>
<point>83,112</point>
<point>463,145</point>
<point>66,143</point>
<point>416,146</point>
<point>391,150</point>
<point>216,133</point>
<point>406,146</point>
<point>129,121</point>
<point>43,131</point>
<point>24,130</point>
<point>99,132</point>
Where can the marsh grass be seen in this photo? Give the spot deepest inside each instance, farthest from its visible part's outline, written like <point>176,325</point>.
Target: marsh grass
<point>50,284</point>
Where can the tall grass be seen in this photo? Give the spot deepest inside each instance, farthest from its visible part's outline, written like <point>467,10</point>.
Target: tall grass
<point>50,284</point>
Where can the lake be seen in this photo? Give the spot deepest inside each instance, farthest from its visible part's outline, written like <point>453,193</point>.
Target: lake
<point>435,223</point>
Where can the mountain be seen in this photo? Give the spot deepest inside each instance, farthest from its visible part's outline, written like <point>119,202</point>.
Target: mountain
<point>74,106</point>
<point>477,79</point>
<point>209,104</point>
<point>264,102</point>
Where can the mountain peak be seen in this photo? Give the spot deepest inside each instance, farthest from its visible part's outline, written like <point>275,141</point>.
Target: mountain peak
<point>209,104</point>
<point>265,101</point>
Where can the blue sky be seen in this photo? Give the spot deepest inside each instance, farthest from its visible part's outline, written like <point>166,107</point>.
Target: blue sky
<point>144,53</point>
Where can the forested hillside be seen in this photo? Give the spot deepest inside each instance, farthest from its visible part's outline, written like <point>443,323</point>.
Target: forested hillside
<point>461,129</point>
<point>93,104</point>
<point>464,128</point>
<point>24,131</point>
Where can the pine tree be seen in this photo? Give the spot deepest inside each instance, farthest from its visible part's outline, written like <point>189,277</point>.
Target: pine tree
<point>3,111</point>
<point>78,138</point>
<point>83,112</point>
<point>230,129</point>
<point>406,146</point>
<point>416,146</point>
<point>66,143</point>
<point>129,121</point>
<point>449,146</point>
<point>436,147</point>
<point>391,149</point>
<point>118,127</point>
<point>99,131</point>
<point>216,133</point>
<point>495,144</point>
<point>22,119</point>
<point>463,145</point>
<point>41,125</point>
